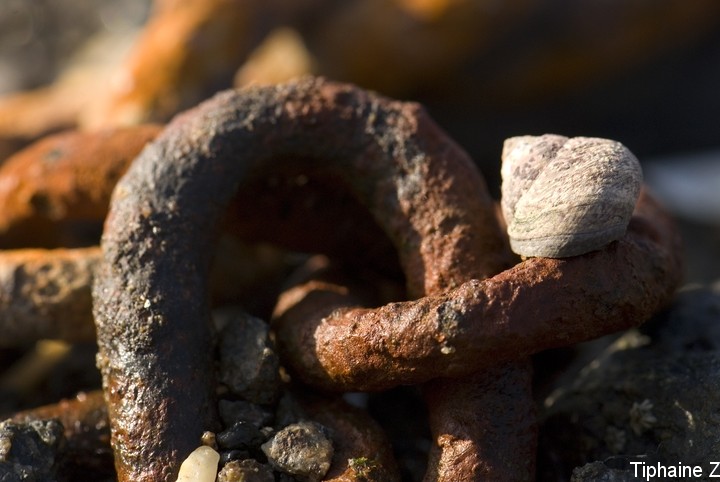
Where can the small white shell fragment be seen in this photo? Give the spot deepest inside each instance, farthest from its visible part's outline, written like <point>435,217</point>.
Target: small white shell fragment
<point>565,197</point>
<point>200,466</point>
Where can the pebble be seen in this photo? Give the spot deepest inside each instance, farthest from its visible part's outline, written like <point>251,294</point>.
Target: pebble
<point>249,366</point>
<point>301,449</point>
<point>227,456</point>
<point>30,451</point>
<point>288,410</point>
<point>246,471</point>
<point>241,435</point>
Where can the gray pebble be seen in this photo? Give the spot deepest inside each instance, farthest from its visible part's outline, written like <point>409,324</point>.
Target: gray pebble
<point>249,366</point>
<point>301,449</point>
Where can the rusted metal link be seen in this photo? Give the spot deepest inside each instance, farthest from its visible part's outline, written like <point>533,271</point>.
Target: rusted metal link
<point>431,203</point>
<point>210,39</point>
<point>47,294</point>
<point>592,295</point>
<point>151,296</point>
<point>540,303</point>
<point>55,193</point>
<point>483,425</point>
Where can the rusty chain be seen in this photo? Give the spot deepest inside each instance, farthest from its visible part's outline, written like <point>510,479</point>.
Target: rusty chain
<point>466,334</point>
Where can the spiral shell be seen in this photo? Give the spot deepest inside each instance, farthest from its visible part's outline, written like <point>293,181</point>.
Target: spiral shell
<point>565,197</point>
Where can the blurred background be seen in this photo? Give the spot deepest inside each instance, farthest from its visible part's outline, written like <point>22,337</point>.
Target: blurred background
<point>643,72</point>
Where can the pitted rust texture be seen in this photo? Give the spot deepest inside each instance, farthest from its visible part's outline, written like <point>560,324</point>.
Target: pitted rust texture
<point>151,295</point>
<point>47,294</point>
<point>538,304</point>
<point>55,193</point>
<point>151,303</point>
<point>58,189</point>
<point>485,425</point>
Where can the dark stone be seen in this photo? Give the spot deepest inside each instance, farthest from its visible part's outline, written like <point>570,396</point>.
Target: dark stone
<point>228,456</point>
<point>30,451</point>
<point>249,365</point>
<point>288,411</point>
<point>232,411</point>
<point>242,435</point>
<point>651,396</point>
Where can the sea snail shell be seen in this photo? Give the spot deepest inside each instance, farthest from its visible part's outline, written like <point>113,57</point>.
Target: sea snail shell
<point>565,197</point>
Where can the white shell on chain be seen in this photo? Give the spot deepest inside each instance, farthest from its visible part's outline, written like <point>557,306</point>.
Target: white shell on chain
<point>565,197</point>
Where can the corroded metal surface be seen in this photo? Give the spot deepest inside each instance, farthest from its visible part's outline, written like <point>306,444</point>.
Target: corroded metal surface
<point>47,294</point>
<point>151,294</point>
<point>55,192</point>
<point>326,167</point>
<point>538,304</point>
<point>484,330</point>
